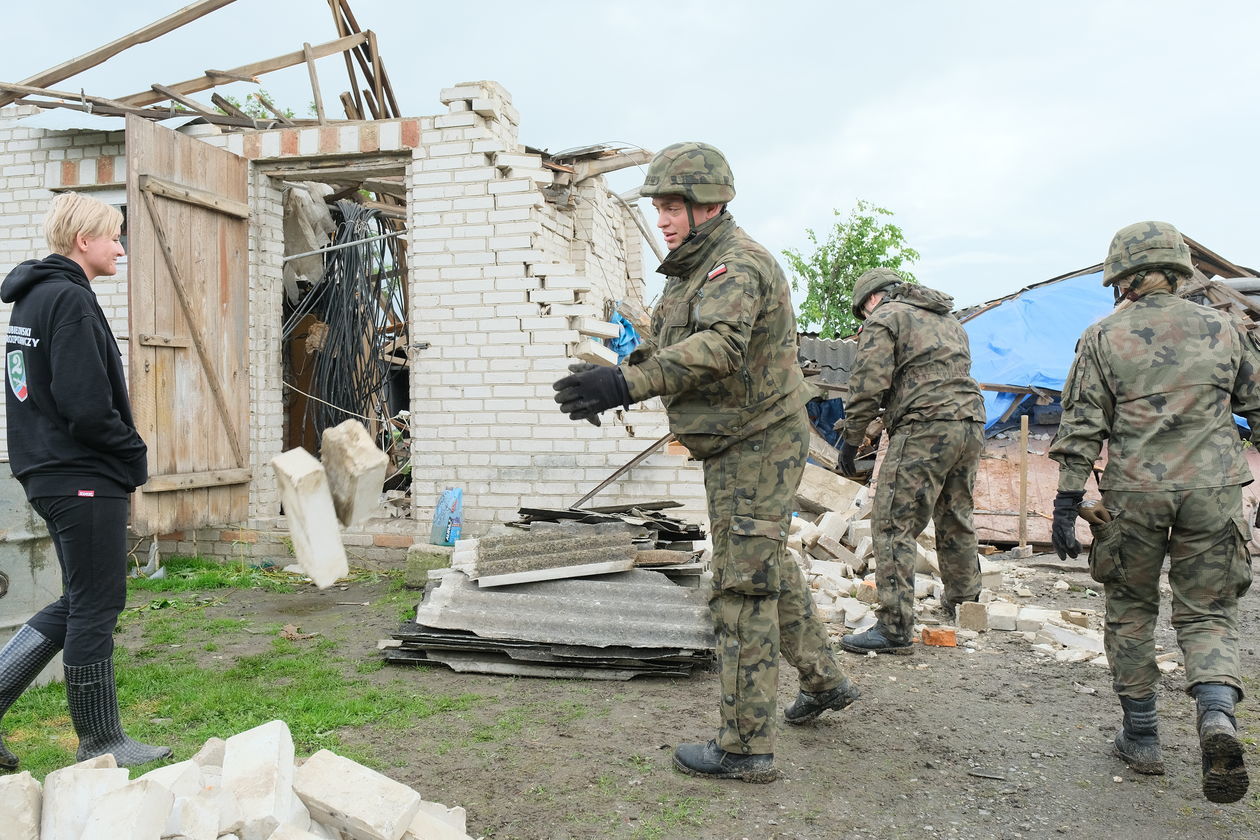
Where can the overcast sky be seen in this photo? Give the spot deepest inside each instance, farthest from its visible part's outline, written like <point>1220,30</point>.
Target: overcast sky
<point>1010,139</point>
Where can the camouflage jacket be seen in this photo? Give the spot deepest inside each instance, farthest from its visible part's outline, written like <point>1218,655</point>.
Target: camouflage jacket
<point>1157,379</point>
<point>913,361</point>
<point>722,349</point>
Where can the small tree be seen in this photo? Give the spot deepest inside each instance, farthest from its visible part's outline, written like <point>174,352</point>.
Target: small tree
<point>856,244</point>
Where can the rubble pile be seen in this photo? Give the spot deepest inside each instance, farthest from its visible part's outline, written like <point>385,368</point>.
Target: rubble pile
<point>249,787</point>
<point>831,540</point>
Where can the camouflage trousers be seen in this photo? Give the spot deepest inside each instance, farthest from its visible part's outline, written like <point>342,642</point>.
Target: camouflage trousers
<point>761,603</point>
<point>928,473</point>
<point>1204,535</point>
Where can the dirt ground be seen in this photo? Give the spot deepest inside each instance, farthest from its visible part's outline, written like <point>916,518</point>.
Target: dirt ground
<point>998,742</point>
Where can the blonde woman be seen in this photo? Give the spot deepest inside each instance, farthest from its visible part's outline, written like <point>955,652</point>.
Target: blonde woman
<point>74,448</point>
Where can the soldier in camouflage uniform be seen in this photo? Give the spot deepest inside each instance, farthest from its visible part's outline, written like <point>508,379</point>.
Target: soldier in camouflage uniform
<point>914,362</point>
<point>1158,379</point>
<point>722,356</point>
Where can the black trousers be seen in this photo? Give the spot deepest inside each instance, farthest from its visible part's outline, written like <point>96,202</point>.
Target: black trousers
<point>90,536</point>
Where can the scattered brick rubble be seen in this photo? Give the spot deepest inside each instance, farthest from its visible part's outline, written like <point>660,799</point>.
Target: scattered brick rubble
<point>249,787</point>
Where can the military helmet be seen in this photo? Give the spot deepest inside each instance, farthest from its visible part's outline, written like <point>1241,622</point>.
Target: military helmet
<point>868,284</point>
<point>696,171</point>
<point>1144,246</point>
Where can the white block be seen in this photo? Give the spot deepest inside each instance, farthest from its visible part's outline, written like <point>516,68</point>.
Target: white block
<point>595,327</point>
<point>69,795</point>
<point>1031,619</point>
<point>210,754</point>
<point>430,823</point>
<point>181,779</point>
<point>194,818</point>
<point>1003,615</point>
<point>289,832</point>
<point>20,801</point>
<point>258,771</point>
<point>835,524</point>
<point>137,811</point>
<point>593,352</point>
<point>361,802</point>
<point>355,468</point>
<point>308,504</point>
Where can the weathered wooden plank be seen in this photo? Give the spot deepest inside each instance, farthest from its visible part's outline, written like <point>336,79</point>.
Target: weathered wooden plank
<point>186,101</point>
<point>192,195</point>
<point>189,481</point>
<point>149,340</point>
<point>319,99</point>
<point>146,33</point>
<point>258,68</point>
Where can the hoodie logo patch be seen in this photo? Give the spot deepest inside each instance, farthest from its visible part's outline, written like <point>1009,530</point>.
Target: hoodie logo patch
<point>88,494</point>
<point>16,364</point>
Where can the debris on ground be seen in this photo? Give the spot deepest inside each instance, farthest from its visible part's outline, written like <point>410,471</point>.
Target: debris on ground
<point>248,787</point>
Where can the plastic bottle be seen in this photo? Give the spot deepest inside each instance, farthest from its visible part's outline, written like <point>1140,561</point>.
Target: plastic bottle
<point>448,517</point>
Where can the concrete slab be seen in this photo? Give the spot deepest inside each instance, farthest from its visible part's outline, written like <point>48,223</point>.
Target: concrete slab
<point>21,800</point>
<point>355,468</point>
<point>308,504</point>
<point>137,811</point>
<point>258,771</point>
<point>359,801</point>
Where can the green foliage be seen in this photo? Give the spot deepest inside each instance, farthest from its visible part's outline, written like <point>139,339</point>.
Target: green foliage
<point>857,243</point>
<point>254,108</point>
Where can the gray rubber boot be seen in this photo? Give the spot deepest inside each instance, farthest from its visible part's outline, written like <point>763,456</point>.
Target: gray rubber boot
<point>93,699</point>
<point>1224,770</point>
<point>1137,742</point>
<point>21,660</point>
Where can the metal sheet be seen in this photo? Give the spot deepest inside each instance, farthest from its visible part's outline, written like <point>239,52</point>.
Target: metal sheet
<point>638,608</point>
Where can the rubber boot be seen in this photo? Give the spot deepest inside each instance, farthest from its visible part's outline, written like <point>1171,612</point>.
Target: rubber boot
<point>808,706</point>
<point>1137,742</point>
<point>1224,771</point>
<point>710,762</point>
<point>21,660</point>
<point>93,699</point>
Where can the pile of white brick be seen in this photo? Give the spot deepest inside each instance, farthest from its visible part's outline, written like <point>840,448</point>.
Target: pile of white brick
<point>248,787</point>
<point>831,539</point>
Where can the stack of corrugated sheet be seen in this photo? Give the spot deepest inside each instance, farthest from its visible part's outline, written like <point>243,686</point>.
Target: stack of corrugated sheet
<point>527,556</point>
<point>613,627</point>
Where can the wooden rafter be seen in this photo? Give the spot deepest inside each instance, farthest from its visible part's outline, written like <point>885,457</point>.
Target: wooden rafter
<point>258,68</point>
<point>84,62</point>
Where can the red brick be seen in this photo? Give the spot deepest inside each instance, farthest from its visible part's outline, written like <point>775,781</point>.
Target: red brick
<point>239,536</point>
<point>393,540</point>
<point>105,169</point>
<point>410,133</point>
<point>69,173</point>
<point>253,146</point>
<point>173,536</point>
<point>289,141</point>
<point>940,636</point>
<point>329,140</point>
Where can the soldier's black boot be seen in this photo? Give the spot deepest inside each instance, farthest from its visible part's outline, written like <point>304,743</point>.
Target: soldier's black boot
<point>21,660</point>
<point>1137,742</point>
<point>1224,771</point>
<point>878,639</point>
<point>808,706</point>
<point>711,762</point>
<point>93,700</point>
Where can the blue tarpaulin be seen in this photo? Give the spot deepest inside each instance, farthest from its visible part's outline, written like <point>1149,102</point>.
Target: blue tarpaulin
<point>1030,340</point>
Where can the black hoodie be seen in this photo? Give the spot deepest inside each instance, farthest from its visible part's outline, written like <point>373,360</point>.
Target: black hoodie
<point>68,415</point>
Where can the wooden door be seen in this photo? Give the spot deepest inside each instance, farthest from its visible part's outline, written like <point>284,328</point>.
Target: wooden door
<point>188,291</point>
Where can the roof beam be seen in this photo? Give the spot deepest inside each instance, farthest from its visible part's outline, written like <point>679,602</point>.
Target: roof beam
<point>148,97</point>
<point>88,60</point>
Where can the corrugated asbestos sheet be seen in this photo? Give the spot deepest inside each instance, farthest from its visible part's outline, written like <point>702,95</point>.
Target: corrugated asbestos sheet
<point>833,357</point>
<point>606,627</point>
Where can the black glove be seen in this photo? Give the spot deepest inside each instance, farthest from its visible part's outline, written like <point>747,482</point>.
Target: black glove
<point>584,393</point>
<point>1063,529</point>
<point>845,458</point>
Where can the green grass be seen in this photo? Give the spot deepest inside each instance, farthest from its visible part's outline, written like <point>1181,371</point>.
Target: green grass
<point>673,815</point>
<point>182,704</point>
<point>197,574</point>
<point>168,697</point>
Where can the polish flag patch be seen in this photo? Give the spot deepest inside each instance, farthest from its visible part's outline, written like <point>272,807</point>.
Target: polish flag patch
<point>717,272</point>
<point>87,493</point>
